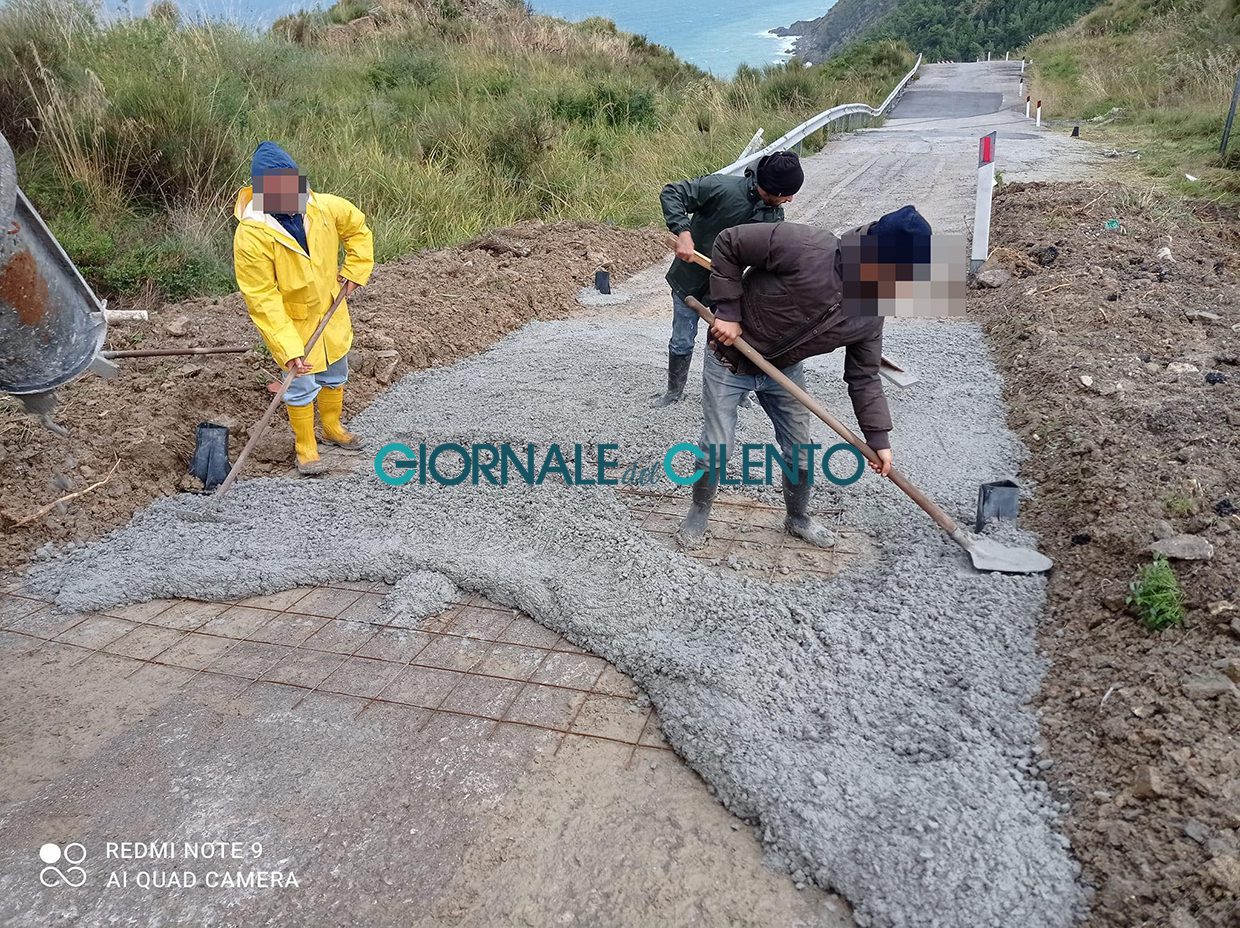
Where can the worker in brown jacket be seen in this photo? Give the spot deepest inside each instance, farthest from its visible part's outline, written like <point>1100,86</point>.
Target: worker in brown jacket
<point>783,287</point>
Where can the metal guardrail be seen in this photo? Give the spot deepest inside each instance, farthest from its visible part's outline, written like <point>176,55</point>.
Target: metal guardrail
<point>822,120</point>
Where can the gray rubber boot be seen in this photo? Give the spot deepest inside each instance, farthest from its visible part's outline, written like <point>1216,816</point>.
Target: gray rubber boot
<point>677,375</point>
<point>692,531</point>
<point>798,521</point>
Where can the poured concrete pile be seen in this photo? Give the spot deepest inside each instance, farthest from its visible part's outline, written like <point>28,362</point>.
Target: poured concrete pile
<point>875,727</point>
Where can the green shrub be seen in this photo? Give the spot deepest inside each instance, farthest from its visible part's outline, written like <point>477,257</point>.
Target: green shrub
<point>613,104</point>
<point>1156,597</point>
<point>408,68</point>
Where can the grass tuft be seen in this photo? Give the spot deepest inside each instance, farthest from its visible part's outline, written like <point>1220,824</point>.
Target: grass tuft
<point>1156,597</point>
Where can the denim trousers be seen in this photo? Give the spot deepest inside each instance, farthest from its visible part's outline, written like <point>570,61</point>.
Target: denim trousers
<point>722,392</point>
<point>303,389</point>
<point>684,327</point>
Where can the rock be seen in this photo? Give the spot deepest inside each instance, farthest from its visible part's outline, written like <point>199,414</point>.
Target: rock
<point>1163,254</point>
<point>1162,529</point>
<point>1045,256</point>
<point>364,25</point>
<point>1235,626</point>
<point>1184,548</point>
<point>1209,685</point>
<point>1225,871</point>
<point>1180,918</point>
<point>993,277</point>
<point>1149,783</point>
<point>1200,315</point>
<point>1225,507</point>
<point>338,36</point>
<point>1086,380</point>
<point>1196,831</point>
<point>178,326</point>
<point>1182,367</point>
<point>1106,388</point>
<point>1231,668</point>
<point>1215,377</point>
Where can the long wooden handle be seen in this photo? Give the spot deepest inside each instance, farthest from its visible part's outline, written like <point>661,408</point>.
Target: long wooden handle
<point>257,432</point>
<point>945,522</point>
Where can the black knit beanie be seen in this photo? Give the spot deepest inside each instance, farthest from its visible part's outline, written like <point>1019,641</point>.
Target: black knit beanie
<point>780,174</point>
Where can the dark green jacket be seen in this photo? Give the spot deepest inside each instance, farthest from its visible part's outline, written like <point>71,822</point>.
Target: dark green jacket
<point>706,206</point>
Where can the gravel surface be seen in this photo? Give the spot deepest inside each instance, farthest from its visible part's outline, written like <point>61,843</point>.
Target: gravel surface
<point>875,726</point>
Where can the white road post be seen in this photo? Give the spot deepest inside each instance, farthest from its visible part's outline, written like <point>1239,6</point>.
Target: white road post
<point>985,189</point>
<point>1039,121</point>
<point>1026,106</point>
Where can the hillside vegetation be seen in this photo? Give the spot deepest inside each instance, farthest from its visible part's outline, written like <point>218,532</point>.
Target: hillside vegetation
<point>953,30</point>
<point>1158,76</point>
<point>439,120</point>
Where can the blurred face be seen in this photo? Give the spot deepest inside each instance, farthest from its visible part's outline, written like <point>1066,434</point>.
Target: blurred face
<point>771,200</point>
<point>888,281</point>
<point>281,192</point>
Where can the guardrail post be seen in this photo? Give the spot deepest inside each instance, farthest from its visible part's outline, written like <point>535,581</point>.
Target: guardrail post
<point>985,189</point>
<point>1231,117</point>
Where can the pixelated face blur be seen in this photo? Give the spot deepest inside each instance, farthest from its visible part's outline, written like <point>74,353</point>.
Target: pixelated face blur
<point>281,191</point>
<point>918,278</point>
<point>771,200</point>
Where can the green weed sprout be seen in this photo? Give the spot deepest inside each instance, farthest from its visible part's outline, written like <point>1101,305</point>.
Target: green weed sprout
<point>1156,597</point>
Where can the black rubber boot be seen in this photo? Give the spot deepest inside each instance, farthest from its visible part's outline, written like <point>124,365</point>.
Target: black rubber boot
<point>798,521</point>
<point>692,531</point>
<point>677,374</point>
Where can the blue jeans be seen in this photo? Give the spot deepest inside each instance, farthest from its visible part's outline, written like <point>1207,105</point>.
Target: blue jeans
<point>303,389</point>
<point>684,327</point>
<point>722,392</point>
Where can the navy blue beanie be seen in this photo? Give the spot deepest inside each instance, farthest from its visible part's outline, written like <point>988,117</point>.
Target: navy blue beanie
<point>270,157</point>
<point>903,237</point>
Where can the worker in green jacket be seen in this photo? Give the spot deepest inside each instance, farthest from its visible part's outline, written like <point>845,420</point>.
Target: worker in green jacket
<point>695,212</point>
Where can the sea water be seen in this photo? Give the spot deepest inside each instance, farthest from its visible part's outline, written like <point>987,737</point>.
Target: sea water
<point>715,35</point>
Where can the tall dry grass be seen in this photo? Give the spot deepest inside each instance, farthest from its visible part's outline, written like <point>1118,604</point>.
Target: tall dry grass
<point>134,135</point>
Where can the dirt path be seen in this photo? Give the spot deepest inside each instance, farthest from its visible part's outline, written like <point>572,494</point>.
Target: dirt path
<point>1119,352</point>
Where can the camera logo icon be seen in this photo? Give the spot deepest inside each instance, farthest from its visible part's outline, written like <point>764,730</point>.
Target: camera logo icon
<point>71,854</point>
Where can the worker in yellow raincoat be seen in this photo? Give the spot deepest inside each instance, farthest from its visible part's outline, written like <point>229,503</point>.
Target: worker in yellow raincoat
<point>286,254</point>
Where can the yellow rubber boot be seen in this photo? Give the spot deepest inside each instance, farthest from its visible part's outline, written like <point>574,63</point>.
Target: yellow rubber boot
<point>331,404</point>
<point>302,420</point>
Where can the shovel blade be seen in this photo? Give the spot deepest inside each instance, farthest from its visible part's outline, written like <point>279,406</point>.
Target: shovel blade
<point>992,556</point>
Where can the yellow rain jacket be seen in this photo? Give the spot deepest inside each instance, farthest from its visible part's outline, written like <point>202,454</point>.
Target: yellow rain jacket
<point>287,291</point>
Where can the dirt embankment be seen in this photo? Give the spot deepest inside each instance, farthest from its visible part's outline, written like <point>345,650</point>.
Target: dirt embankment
<point>423,310</point>
<point>1120,360</point>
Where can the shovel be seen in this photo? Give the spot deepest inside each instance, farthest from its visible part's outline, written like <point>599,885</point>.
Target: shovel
<point>887,367</point>
<point>985,554</point>
<point>206,514</point>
